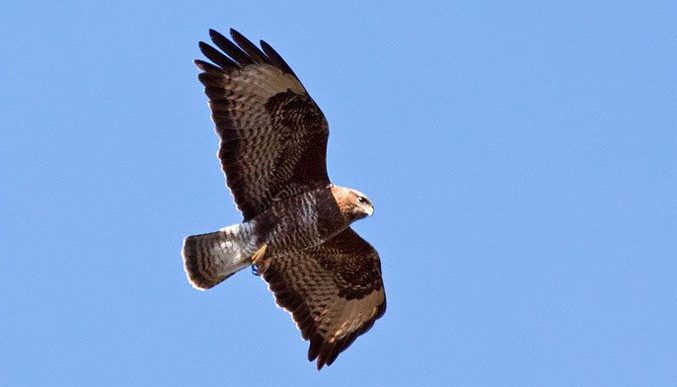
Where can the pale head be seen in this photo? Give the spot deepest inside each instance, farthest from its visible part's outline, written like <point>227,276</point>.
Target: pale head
<point>353,204</point>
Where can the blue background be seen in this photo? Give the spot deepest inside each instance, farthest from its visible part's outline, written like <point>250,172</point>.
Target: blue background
<point>521,158</point>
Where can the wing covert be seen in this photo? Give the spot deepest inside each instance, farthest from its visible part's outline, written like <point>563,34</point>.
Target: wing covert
<point>334,292</point>
<point>273,135</point>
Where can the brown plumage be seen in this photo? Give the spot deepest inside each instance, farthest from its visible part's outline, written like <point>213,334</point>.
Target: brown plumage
<point>334,292</point>
<point>296,226</point>
<point>273,135</point>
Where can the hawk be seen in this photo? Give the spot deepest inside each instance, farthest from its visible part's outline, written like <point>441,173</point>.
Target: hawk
<point>296,228</point>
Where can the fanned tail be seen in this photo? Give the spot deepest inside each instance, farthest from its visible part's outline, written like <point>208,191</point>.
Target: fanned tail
<point>211,258</point>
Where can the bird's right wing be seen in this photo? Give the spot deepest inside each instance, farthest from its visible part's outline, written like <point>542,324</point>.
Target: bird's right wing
<point>334,292</point>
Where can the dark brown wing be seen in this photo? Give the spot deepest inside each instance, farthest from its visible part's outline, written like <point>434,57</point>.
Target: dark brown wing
<point>334,292</point>
<point>273,135</point>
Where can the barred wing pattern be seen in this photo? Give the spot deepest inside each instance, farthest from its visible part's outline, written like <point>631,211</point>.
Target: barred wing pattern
<point>334,292</point>
<point>273,135</point>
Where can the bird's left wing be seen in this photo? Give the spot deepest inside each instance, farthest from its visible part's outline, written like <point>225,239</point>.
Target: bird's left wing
<point>334,292</point>
<point>273,135</point>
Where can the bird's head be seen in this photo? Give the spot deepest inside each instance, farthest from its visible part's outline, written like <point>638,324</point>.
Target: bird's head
<point>354,204</point>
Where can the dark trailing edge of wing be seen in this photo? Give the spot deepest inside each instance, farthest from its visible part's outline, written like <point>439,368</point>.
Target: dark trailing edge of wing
<point>288,298</point>
<point>320,349</point>
<point>289,111</point>
<point>326,353</point>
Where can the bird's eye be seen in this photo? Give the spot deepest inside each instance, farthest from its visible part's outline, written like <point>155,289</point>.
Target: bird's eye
<point>362,200</point>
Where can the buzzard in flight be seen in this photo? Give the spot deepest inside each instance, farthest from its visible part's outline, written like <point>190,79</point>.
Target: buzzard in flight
<point>296,227</point>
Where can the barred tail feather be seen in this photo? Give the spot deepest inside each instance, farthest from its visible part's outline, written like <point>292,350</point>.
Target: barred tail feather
<point>211,258</point>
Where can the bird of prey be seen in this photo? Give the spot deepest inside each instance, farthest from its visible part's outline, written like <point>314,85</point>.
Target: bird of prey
<point>296,227</point>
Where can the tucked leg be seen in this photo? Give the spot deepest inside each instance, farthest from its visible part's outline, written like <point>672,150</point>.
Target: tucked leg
<point>258,259</point>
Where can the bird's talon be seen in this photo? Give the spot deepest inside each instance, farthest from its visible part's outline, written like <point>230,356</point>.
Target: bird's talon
<point>257,260</point>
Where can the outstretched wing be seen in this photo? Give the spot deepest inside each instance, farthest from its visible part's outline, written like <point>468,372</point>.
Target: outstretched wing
<point>334,292</point>
<point>273,135</point>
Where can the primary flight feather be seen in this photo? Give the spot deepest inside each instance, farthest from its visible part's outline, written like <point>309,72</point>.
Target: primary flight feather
<point>296,227</point>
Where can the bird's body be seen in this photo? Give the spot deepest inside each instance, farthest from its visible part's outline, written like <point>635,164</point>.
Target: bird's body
<point>300,222</point>
<point>296,226</point>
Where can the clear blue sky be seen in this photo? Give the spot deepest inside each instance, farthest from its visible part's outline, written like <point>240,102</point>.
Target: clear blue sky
<point>521,158</point>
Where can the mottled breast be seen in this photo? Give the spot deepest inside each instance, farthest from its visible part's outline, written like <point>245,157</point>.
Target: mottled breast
<point>300,222</point>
